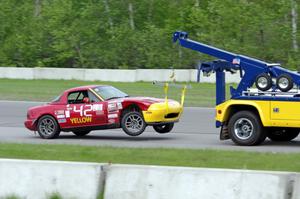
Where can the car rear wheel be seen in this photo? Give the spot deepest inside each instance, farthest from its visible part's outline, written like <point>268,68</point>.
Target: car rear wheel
<point>133,123</point>
<point>48,127</point>
<point>282,134</point>
<point>163,128</point>
<point>245,129</point>
<point>81,133</point>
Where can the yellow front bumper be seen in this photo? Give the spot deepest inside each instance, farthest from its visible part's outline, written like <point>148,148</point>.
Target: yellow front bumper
<point>163,112</point>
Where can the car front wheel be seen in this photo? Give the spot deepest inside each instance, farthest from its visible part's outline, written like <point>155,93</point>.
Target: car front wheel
<point>163,128</point>
<point>133,123</point>
<point>47,127</point>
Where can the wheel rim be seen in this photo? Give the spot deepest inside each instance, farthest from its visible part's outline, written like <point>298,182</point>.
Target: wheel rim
<point>243,128</point>
<point>283,83</point>
<point>47,127</point>
<point>134,123</point>
<point>262,82</point>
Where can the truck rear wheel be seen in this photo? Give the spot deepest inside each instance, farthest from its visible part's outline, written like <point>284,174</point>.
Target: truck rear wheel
<point>282,134</point>
<point>245,129</point>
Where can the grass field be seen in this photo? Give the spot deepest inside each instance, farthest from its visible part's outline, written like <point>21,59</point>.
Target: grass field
<point>158,156</point>
<point>202,94</point>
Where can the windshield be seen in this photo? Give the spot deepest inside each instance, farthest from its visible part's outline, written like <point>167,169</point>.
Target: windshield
<point>109,92</point>
<point>56,99</point>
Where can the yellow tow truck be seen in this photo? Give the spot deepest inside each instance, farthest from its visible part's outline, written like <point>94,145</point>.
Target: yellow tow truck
<point>270,109</point>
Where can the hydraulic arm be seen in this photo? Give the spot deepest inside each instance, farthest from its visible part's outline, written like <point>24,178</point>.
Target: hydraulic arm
<point>251,70</point>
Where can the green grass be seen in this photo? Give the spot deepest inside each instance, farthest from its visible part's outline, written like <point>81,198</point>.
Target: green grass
<point>159,156</point>
<point>202,94</point>
<point>50,196</point>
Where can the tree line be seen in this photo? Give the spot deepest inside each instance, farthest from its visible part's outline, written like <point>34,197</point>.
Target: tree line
<point>130,34</point>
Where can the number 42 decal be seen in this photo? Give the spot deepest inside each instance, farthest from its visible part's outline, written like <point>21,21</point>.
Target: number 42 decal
<point>84,110</point>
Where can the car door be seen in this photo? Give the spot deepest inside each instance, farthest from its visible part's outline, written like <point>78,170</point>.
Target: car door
<point>80,113</point>
<point>99,109</point>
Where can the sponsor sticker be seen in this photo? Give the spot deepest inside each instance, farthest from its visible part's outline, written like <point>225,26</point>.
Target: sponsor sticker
<point>62,120</point>
<point>81,120</point>
<point>60,116</point>
<point>99,112</point>
<point>119,104</point>
<point>67,114</point>
<point>112,116</point>
<point>97,107</point>
<point>111,120</point>
<point>59,112</point>
<point>69,108</point>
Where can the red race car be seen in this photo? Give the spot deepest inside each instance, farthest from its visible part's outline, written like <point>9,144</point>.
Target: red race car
<point>83,109</point>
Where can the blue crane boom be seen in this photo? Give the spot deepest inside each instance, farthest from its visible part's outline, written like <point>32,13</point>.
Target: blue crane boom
<point>249,68</point>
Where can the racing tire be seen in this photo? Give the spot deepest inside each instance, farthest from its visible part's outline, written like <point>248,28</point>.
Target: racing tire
<point>282,134</point>
<point>81,133</point>
<point>263,82</point>
<point>133,123</point>
<point>48,127</point>
<point>245,129</point>
<point>284,82</point>
<point>163,128</point>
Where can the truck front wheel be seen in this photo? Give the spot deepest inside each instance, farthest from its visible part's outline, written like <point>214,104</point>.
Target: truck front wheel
<point>245,128</point>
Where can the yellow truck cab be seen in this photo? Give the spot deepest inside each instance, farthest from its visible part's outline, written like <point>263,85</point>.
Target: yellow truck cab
<point>249,122</point>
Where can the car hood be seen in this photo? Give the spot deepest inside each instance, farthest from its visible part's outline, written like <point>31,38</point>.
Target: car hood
<point>38,107</point>
<point>144,100</point>
<point>150,100</point>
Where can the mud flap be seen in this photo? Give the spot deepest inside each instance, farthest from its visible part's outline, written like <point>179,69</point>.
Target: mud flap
<point>224,134</point>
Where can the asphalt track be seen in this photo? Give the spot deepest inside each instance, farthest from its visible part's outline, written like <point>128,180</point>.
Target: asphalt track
<point>195,130</point>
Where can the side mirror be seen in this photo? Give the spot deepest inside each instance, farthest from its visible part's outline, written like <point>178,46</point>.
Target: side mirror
<point>86,100</point>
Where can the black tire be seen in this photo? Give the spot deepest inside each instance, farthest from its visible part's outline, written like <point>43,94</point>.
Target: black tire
<point>245,129</point>
<point>133,123</point>
<point>263,82</point>
<point>163,128</point>
<point>81,133</point>
<point>286,81</point>
<point>48,127</point>
<point>282,134</point>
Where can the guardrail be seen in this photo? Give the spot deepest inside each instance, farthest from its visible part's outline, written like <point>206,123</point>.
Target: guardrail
<point>39,179</point>
<point>114,75</point>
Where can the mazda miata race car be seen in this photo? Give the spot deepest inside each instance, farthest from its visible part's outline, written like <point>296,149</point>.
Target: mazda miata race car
<point>83,109</point>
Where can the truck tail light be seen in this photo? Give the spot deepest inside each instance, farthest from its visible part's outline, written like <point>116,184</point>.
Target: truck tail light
<point>218,112</point>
